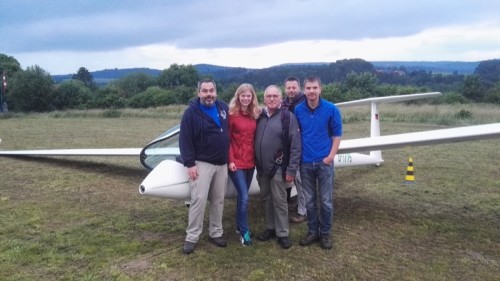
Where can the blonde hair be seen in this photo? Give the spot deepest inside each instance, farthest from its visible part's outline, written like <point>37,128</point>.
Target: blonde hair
<point>235,105</point>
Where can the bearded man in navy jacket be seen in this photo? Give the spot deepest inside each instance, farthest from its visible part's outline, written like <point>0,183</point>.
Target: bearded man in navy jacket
<point>204,146</point>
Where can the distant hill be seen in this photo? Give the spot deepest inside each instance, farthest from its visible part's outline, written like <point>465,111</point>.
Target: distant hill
<point>118,73</point>
<point>222,71</point>
<point>225,72</point>
<point>443,67</point>
<point>106,75</point>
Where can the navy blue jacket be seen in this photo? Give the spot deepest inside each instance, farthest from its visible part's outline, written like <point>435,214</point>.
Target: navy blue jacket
<point>200,138</point>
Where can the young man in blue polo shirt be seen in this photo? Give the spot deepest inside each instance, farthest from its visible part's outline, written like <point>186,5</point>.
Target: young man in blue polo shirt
<point>321,128</point>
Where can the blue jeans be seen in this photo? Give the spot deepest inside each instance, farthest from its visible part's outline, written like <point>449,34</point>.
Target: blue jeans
<point>322,174</point>
<point>242,178</point>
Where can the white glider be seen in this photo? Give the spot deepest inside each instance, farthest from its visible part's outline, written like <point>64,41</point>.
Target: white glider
<point>168,178</point>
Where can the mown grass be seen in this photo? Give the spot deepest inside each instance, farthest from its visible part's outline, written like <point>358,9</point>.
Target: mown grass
<point>83,219</point>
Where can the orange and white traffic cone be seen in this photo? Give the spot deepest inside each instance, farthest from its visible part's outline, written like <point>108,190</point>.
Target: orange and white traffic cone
<point>410,177</point>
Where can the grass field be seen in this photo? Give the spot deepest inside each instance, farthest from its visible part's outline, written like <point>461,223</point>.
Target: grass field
<point>82,218</point>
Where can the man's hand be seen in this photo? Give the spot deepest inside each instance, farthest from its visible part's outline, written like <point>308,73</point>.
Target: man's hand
<point>328,160</point>
<point>193,173</point>
<point>232,167</point>
<point>289,178</point>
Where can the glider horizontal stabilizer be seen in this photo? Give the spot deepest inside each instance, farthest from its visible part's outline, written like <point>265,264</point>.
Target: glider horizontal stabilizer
<point>389,99</point>
<point>459,134</point>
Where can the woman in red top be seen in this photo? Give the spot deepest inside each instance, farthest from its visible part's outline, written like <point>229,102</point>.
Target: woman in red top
<point>243,113</point>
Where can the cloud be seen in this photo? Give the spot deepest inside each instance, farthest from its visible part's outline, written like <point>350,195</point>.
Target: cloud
<point>107,25</point>
<point>261,32</point>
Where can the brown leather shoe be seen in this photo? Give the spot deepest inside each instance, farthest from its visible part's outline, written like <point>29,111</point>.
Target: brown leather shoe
<point>309,239</point>
<point>298,219</point>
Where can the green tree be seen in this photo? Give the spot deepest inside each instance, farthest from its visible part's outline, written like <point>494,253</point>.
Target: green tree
<point>72,94</point>
<point>226,93</point>
<point>493,95</point>
<point>9,65</point>
<point>453,98</point>
<point>152,96</point>
<point>108,97</point>
<point>178,75</point>
<point>31,90</point>
<point>392,90</point>
<point>342,68</point>
<point>489,72</point>
<point>472,88</point>
<point>184,94</point>
<point>133,84</point>
<point>84,75</point>
<point>420,77</point>
<point>359,86</point>
<point>332,92</point>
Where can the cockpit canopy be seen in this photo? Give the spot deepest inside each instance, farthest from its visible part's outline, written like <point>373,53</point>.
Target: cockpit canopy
<point>164,147</point>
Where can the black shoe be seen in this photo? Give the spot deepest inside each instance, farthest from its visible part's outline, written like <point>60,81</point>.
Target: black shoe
<point>188,247</point>
<point>267,234</point>
<point>326,242</point>
<point>284,242</point>
<point>218,241</point>
<point>309,239</point>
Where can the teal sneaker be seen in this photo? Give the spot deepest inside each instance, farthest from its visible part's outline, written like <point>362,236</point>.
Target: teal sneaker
<point>246,239</point>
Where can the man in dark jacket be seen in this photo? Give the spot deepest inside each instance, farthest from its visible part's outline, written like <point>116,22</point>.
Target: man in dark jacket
<point>293,94</point>
<point>272,175</point>
<point>204,146</point>
<point>294,97</point>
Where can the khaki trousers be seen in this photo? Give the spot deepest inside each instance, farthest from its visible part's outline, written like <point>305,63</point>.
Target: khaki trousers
<point>210,185</point>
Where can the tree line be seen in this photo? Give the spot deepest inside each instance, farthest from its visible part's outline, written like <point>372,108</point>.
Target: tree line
<point>33,89</point>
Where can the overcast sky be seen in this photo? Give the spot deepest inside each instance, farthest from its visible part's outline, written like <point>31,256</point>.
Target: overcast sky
<point>62,35</point>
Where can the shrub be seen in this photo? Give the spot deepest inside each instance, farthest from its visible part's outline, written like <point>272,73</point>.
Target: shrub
<point>464,114</point>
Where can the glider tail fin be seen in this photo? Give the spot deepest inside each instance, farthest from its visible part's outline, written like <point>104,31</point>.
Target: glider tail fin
<point>375,132</point>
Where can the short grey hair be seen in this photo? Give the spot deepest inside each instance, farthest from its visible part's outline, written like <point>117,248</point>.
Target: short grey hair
<point>206,80</point>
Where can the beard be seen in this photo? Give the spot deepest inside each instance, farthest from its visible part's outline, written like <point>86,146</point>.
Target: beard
<point>208,101</point>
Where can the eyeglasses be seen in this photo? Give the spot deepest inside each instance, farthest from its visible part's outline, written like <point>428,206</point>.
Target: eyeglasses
<point>271,96</point>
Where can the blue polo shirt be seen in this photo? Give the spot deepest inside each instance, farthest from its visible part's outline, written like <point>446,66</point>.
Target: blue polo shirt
<point>212,112</point>
<point>318,127</point>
